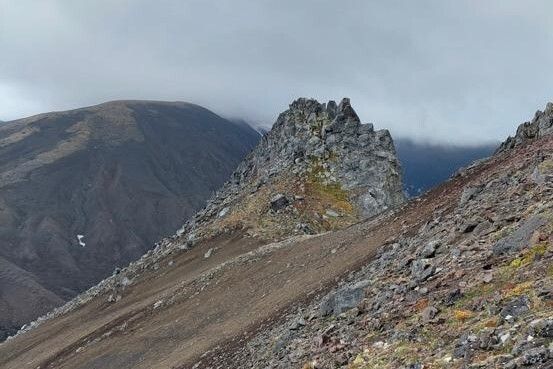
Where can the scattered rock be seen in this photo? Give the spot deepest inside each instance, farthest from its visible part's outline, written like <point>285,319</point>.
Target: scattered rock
<point>469,226</point>
<point>331,213</point>
<point>223,212</point>
<point>343,299</point>
<point>535,356</point>
<point>429,313</point>
<point>469,193</point>
<point>430,249</point>
<point>542,327</point>
<point>515,308</point>
<point>279,201</point>
<point>520,237</point>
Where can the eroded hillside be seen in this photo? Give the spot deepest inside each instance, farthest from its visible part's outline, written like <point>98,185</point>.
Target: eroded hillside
<point>460,277</point>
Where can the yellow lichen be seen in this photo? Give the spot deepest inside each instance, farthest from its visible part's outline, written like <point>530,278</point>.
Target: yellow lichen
<point>546,166</point>
<point>462,315</point>
<point>530,255</point>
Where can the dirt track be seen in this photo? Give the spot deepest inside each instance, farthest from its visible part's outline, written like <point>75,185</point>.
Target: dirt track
<point>214,311</point>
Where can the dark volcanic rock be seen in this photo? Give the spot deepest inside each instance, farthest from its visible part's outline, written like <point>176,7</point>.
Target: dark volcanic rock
<point>86,190</point>
<point>515,307</point>
<point>279,202</point>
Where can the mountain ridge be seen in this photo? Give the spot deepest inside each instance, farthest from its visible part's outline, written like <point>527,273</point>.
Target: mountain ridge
<point>426,165</point>
<point>70,182</point>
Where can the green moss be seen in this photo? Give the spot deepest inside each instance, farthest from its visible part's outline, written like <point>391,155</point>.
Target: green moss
<point>530,255</point>
<point>540,248</point>
<point>332,191</point>
<point>516,263</point>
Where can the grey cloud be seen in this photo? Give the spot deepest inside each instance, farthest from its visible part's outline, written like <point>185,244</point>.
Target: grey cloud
<point>460,71</point>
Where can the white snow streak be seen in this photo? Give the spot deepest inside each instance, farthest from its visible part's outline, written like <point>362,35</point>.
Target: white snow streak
<point>80,239</point>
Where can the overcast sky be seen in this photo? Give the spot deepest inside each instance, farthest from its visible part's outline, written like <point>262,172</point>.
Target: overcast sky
<point>460,71</point>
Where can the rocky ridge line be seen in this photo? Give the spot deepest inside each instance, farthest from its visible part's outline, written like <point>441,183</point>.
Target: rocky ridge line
<point>541,125</point>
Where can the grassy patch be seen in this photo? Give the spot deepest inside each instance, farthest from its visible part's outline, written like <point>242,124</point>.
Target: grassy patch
<point>530,255</point>
<point>331,194</point>
<point>462,315</point>
<point>518,289</point>
<point>546,166</point>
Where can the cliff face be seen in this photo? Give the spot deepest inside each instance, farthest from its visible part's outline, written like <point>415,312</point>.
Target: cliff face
<point>317,169</point>
<point>330,139</point>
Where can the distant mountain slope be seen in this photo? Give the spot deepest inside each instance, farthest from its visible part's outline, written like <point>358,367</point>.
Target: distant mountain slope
<point>427,165</point>
<point>86,190</point>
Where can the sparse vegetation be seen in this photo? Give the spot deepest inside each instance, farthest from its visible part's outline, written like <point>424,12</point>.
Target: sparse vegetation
<point>462,315</point>
<point>329,193</point>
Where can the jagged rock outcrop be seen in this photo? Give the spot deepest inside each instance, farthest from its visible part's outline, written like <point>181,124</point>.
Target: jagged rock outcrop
<point>332,169</point>
<point>331,138</point>
<point>541,125</point>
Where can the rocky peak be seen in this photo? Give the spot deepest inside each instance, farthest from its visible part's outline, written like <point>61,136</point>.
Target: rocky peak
<point>324,160</point>
<point>541,125</point>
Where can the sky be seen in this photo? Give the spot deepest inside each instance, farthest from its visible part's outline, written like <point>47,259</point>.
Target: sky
<point>446,70</point>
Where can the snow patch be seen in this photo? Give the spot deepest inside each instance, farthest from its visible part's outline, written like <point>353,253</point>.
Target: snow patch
<point>80,239</point>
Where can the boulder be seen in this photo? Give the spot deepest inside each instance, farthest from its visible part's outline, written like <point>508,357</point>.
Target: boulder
<point>279,201</point>
<point>344,299</point>
<point>515,308</point>
<point>422,269</point>
<point>519,238</point>
<point>429,313</point>
<point>430,249</point>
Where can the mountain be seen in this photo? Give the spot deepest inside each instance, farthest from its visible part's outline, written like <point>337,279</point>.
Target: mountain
<point>426,165</point>
<point>459,277</point>
<point>86,190</point>
<point>317,169</point>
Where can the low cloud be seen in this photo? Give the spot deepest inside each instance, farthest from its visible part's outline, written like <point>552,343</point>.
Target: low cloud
<point>459,71</point>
